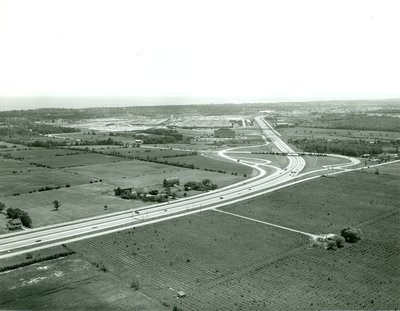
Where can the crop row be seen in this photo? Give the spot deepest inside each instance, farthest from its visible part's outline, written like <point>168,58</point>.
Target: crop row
<point>193,254</point>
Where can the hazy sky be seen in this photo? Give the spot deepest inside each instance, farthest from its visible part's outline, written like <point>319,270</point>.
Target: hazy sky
<point>286,49</point>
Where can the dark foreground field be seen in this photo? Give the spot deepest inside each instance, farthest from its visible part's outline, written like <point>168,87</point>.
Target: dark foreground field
<point>223,262</point>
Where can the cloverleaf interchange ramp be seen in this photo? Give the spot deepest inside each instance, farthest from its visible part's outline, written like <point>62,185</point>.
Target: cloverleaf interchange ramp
<point>44,237</point>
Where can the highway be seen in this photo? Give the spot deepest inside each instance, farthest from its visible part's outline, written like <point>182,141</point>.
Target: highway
<point>44,237</point>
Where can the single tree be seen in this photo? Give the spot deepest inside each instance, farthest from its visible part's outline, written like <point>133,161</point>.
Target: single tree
<point>2,206</point>
<point>26,220</point>
<point>56,204</point>
<point>118,191</point>
<point>11,213</point>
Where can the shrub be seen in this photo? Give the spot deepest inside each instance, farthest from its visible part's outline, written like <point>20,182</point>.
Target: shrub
<point>135,284</point>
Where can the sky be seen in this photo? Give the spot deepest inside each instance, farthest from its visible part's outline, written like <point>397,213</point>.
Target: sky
<point>245,49</point>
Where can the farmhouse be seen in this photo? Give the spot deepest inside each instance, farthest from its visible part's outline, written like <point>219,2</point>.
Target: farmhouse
<point>170,182</point>
<point>125,191</point>
<point>14,224</point>
<point>224,133</point>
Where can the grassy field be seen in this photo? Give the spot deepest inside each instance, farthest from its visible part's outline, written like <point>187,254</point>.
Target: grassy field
<point>91,186</point>
<point>203,162</point>
<point>158,153</point>
<point>393,169</point>
<point>20,177</point>
<point>76,160</point>
<point>76,203</point>
<point>141,174</point>
<point>314,163</point>
<point>127,169</point>
<point>28,153</point>
<point>70,283</point>
<point>276,160</point>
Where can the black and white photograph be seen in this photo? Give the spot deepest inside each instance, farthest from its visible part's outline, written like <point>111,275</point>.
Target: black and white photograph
<point>189,155</point>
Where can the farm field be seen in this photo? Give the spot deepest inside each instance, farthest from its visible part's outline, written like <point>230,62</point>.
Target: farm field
<point>193,254</point>
<point>28,153</point>
<point>69,283</point>
<point>303,132</point>
<point>362,276</point>
<point>123,169</point>
<point>392,169</point>
<point>76,160</point>
<point>343,200</point>
<point>19,177</point>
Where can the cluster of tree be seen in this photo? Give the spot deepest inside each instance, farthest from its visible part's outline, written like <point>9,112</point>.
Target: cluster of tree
<point>54,143</point>
<point>353,148</point>
<point>335,242</point>
<point>205,185</point>
<point>151,196</point>
<point>348,234</point>
<point>355,121</point>
<point>107,142</point>
<point>31,260</point>
<point>351,234</point>
<point>14,213</point>
<point>27,128</point>
<point>48,143</point>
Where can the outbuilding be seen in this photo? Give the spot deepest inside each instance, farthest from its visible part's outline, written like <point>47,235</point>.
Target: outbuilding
<point>14,224</point>
<point>171,182</point>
